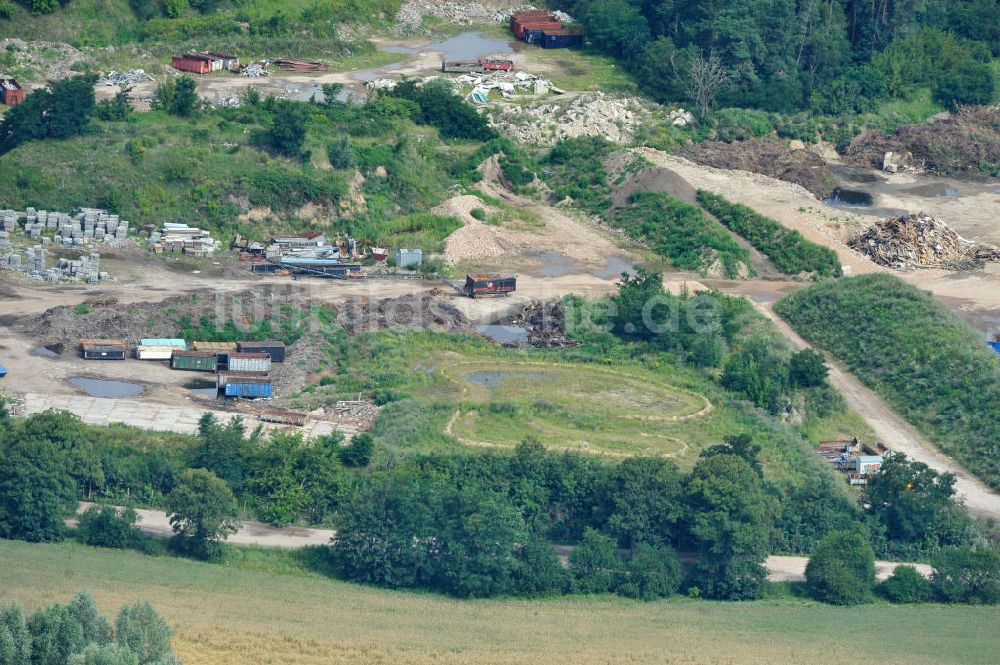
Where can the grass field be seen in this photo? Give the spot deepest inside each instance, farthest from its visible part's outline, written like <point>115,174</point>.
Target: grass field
<point>571,406</point>
<point>225,615</point>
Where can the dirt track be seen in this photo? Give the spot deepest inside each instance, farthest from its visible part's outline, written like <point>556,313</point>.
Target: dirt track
<point>895,432</point>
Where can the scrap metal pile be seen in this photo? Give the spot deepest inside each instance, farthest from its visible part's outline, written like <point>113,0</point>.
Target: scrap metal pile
<point>544,322</point>
<point>920,241</point>
<point>300,65</point>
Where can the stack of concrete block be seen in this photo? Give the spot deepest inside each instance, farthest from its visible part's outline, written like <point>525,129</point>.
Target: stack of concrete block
<point>86,226</point>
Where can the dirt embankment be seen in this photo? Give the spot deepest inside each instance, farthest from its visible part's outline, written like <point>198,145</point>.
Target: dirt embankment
<point>767,157</point>
<point>424,310</point>
<point>956,145</point>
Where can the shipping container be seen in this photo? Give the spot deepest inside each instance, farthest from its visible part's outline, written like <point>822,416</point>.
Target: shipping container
<point>173,343</point>
<point>536,25</point>
<point>248,387</point>
<point>197,361</point>
<point>225,376</point>
<point>3,371</point>
<point>562,38</point>
<point>995,346</point>
<point>409,258</point>
<point>155,352</point>
<point>249,362</point>
<point>103,349</point>
<point>487,285</point>
<point>271,347</point>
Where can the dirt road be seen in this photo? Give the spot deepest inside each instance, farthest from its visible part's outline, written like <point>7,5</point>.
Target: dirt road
<point>895,432</point>
<point>157,524</point>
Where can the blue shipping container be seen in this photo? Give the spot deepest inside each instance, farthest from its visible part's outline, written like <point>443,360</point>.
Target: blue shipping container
<point>3,371</point>
<point>248,389</point>
<point>179,343</point>
<point>996,346</point>
<point>532,36</point>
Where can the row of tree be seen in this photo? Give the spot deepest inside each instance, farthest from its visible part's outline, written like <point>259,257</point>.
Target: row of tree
<point>77,634</point>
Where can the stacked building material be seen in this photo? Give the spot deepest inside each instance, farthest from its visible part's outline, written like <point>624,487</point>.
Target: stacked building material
<point>85,226</point>
<point>183,238</point>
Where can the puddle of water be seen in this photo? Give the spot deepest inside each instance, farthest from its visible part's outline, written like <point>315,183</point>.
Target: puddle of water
<point>503,334</point>
<point>46,352</point>
<point>493,379</point>
<point>850,197</point>
<point>467,46</point>
<point>932,190</point>
<point>105,387</point>
<point>615,266</point>
<point>203,387</point>
<point>365,75</point>
<point>556,264</point>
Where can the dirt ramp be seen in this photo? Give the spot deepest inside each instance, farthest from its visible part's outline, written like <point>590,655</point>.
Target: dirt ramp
<point>656,179</point>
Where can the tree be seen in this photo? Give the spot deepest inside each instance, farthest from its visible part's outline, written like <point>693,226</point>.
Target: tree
<point>915,507</point>
<point>143,631</point>
<point>971,82</point>
<point>224,450</point>
<point>441,107</point>
<point>967,575</point>
<point>96,628</point>
<point>359,453</point>
<point>286,134</point>
<point>55,635</point>
<point>730,520</point>
<point>703,79</point>
<point>740,445</point>
<point>841,570</point>
<point>906,585</point>
<point>36,489</point>
<point>202,510</point>
<point>104,654</point>
<point>538,571</point>
<point>15,638</point>
<point>109,526</point>
<point>646,499</point>
<point>756,370</point>
<point>339,152</point>
<point>807,368</point>
<point>185,97</point>
<point>594,563</point>
<point>61,111</point>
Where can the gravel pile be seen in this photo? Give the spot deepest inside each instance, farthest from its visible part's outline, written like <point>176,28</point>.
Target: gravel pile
<point>131,77</point>
<point>588,114</point>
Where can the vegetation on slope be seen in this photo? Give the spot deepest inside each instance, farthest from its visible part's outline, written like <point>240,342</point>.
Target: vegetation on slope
<point>900,341</point>
<point>787,249</point>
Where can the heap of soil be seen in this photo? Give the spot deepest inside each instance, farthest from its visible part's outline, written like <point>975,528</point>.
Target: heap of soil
<point>767,157</point>
<point>955,145</point>
<point>921,241</point>
<point>656,179</point>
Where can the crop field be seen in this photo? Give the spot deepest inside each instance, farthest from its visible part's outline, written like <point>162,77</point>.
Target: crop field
<point>574,407</point>
<point>227,615</point>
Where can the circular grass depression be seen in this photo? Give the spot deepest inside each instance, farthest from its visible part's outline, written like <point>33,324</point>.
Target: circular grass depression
<point>570,407</point>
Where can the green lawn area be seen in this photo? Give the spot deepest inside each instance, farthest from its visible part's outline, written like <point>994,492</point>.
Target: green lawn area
<point>228,615</point>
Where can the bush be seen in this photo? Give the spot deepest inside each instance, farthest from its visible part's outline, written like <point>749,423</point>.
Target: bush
<point>967,575</point>
<point>594,563</point>
<point>359,452</point>
<point>652,572</point>
<point>906,585</point>
<point>682,233</point>
<point>841,570</point>
<point>108,526</point>
<point>445,110</point>
<point>970,83</point>
<point>340,153</point>
<point>478,213</point>
<point>807,368</point>
<point>787,249</point>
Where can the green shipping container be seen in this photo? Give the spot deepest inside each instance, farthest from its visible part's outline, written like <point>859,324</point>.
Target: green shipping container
<point>198,361</point>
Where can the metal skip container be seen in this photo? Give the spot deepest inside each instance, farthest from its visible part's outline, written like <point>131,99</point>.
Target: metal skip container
<point>198,361</point>
<point>249,362</point>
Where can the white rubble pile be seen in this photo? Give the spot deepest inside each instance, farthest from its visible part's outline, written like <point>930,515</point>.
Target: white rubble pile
<point>255,70</point>
<point>131,77</point>
<point>508,83</point>
<point>680,118</point>
<point>412,13</point>
<point>589,114</point>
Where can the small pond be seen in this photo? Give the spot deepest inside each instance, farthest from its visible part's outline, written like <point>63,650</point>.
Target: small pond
<point>105,387</point>
<point>850,197</point>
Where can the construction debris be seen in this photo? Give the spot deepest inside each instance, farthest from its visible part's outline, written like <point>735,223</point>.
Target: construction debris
<point>589,114</point>
<point>121,79</point>
<point>921,241</point>
<point>545,323</point>
<point>255,69</point>
<point>508,83</point>
<point>183,238</point>
<point>86,269</point>
<point>411,15</point>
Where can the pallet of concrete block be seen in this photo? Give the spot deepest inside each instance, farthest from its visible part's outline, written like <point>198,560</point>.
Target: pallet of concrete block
<point>159,349</point>
<point>103,349</point>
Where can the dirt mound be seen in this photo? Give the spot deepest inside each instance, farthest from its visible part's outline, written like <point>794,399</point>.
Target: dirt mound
<point>656,179</point>
<point>767,157</point>
<point>958,144</point>
<point>430,310</point>
<point>920,241</point>
<point>545,323</point>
